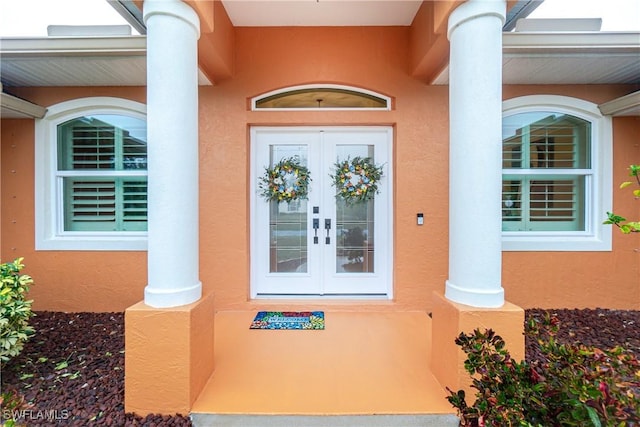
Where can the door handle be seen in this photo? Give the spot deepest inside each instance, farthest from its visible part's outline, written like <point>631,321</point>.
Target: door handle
<point>327,226</point>
<point>316,226</point>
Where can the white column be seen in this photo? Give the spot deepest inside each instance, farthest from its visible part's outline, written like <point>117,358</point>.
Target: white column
<point>173,29</point>
<point>475,164</point>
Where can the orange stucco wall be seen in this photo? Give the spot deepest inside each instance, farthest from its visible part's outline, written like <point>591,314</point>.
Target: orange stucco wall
<point>584,279</point>
<point>67,280</point>
<point>270,58</point>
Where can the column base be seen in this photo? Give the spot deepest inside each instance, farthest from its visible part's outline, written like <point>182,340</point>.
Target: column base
<point>168,356</point>
<point>475,297</point>
<point>165,298</point>
<point>449,319</point>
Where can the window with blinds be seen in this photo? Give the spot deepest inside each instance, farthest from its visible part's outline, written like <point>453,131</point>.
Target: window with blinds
<point>102,168</point>
<point>546,170</point>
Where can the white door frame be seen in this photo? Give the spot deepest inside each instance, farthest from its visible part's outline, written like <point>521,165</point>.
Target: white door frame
<point>383,211</point>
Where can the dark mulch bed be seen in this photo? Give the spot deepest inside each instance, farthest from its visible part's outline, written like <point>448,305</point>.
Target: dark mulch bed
<point>73,368</point>
<point>597,328</point>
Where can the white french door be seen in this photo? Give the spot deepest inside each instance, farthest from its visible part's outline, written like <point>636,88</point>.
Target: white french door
<point>322,245</point>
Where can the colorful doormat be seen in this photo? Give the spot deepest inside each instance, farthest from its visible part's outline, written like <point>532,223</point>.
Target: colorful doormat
<point>288,320</point>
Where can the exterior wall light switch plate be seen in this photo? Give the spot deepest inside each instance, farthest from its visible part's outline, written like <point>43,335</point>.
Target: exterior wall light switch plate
<point>420,219</point>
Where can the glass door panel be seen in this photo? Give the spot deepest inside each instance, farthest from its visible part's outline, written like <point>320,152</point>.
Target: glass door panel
<point>288,237</point>
<point>355,222</point>
<point>355,237</point>
<point>287,221</point>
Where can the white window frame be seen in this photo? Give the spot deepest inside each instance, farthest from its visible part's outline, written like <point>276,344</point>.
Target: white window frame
<point>49,204</point>
<point>598,195</point>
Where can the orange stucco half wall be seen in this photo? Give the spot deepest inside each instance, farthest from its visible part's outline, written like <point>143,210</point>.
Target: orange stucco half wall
<point>378,59</point>
<point>169,356</point>
<point>450,319</point>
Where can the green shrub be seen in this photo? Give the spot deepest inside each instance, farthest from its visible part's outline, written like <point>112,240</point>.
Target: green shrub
<point>619,221</point>
<point>573,385</point>
<point>15,310</point>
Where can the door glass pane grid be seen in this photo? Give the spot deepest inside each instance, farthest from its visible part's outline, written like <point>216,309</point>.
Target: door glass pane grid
<point>355,249</point>
<point>288,222</point>
<point>288,237</point>
<point>355,237</point>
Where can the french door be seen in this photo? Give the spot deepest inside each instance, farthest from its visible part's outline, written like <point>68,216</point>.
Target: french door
<point>321,245</point>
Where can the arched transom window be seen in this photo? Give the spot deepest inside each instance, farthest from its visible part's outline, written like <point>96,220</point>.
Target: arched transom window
<point>321,97</point>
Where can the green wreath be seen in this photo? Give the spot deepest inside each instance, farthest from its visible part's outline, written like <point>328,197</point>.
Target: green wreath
<point>356,180</point>
<point>286,181</point>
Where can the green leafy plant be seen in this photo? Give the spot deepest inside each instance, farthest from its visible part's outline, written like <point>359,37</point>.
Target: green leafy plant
<point>573,385</point>
<point>15,310</point>
<point>621,222</point>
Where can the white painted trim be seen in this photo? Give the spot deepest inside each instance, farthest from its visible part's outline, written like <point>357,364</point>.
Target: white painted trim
<point>320,86</point>
<point>558,24</point>
<point>386,210</point>
<point>597,236</point>
<point>567,42</point>
<point>13,107</point>
<point>628,105</point>
<point>31,47</point>
<point>49,233</point>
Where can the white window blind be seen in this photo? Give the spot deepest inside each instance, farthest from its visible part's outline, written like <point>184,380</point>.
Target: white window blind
<point>546,169</point>
<point>102,162</point>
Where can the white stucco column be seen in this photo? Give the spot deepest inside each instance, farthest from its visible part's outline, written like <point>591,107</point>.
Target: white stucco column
<point>173,29</point>
<point>475,170</point>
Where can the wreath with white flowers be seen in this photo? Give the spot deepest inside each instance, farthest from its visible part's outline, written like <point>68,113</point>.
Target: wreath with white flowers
<point>286,181</point>
<point>356,180</point>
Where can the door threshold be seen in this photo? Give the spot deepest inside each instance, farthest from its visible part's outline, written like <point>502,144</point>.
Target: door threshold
<point>323,297</point>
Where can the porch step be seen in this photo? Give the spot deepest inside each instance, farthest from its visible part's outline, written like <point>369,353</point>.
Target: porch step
<point>364,369</point>
<point>211,420</point>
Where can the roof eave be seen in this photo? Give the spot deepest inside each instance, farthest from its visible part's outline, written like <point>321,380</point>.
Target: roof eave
<point>555,42</point>
<point>628,105</point>
<point>16,108</point>
<point>13,47</point>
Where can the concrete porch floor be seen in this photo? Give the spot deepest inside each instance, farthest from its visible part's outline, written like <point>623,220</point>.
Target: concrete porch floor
<point>364,369</point>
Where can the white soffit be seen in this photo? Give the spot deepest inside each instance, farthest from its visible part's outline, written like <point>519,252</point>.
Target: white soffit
<point>73,61</point>
<point>321,13</point>
<point>568,58</point>
<point>76,61</point>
